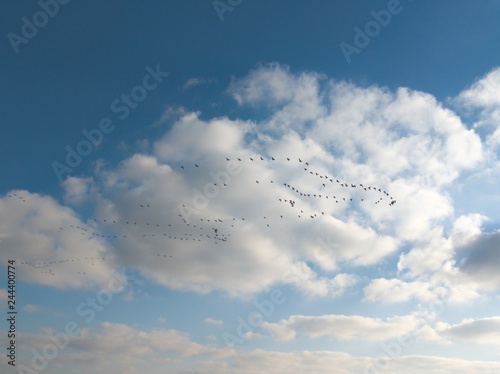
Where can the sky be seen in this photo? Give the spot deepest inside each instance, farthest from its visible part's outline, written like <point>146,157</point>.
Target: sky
<point>242,186</point>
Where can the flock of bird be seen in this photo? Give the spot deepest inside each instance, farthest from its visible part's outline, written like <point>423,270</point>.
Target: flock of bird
<point>203,230</point>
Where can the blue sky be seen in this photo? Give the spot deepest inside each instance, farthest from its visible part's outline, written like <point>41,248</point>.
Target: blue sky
<point>176,96</point>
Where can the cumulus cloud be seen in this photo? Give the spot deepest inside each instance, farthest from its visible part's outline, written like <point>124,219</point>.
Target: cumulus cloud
<point>403,142</point>
<point>395,290</point>
<point>113,346</point>
<point>117,348</point>
<point>484,260</point>
<point>315,362</point>
<point>206,207</point>
<point>43,234</point>
<point>77,190</point>
<point>343,327</point>
<point>479,331</point>
<point>484,96</point>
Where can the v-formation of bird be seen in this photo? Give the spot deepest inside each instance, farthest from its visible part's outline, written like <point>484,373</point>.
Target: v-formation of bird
<point>213,229</point>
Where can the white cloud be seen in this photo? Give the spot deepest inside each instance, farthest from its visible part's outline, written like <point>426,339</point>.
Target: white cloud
<point>193,82</point>
<point>117,348</point>
<point>484,260</point>
<point>395,290</point>
<point>212,321</point>
<point>343,327</point>
<point>403,142</point>
<point>114,338</point>
<point>51,243</point>
<point>77,190</point>
<point>479,331</point>
<point>319,362</point>
<point>113,347</point>
<point>484,95</point>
